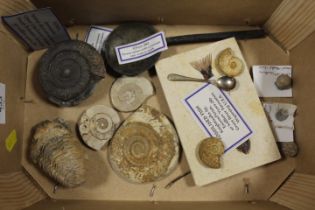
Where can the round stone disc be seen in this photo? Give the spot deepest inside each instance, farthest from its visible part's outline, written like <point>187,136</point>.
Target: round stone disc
<point>97,125</point>
<point>69,71</point>
<point>125,34</point>
<point>145,148</point>
<point>128,93</point>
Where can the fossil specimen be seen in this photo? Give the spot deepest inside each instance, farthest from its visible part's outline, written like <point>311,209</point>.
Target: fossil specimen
<point>145,148</point>
<point>210,151</point>
<point>97,125</point>
<point>283,82</point>
<point>228,64</point>
<point>58,153</point>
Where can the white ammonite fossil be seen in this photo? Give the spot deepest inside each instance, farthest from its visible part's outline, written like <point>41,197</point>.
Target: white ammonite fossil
<point>229,64</point>
<point>128,93</point>
<point>97,125</point>
<point>145,148</point>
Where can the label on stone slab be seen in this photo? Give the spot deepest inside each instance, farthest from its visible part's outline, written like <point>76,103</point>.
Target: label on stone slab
<point>97,36</point>
<point>37,28</point>
<point>2,103</point>
<point>218,116</point>
<point>141,49</point>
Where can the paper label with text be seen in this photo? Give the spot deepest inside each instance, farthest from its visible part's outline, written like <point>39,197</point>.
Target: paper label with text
<point>218,116</point>
<point>2,103</point>
<point>37,28</point>
<point>97,36</point>
<point>141,49</point>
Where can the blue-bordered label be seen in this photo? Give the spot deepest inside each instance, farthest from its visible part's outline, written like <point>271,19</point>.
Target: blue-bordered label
<point>141,49</point>
<point>96,36</point>
<point>218,116</point>
<point>37,28</point>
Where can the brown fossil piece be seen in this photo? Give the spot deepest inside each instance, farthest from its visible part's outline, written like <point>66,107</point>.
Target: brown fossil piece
<point>210,151</point>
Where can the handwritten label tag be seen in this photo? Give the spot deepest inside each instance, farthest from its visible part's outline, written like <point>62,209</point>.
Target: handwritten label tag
<point>2,103</point>
<point>96,36</point>
<point>265,78</point>
<point>11,141</point>
<point>141,49</point>
<point>37,28</point>
<point>218,116</point>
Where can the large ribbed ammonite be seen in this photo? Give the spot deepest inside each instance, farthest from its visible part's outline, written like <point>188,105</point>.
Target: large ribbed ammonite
<point>97,125</point>
<point>145,148</point>
<point>69,71</point>
<point>58,153</point>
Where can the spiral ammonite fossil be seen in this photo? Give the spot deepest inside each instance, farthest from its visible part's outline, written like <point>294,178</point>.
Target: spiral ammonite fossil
<point>145,148</point>
<point>97,125</point>
<point>69,71</point>
<point>210,151</point>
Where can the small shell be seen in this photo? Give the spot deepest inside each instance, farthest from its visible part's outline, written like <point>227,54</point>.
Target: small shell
<point>128,93</point>
<point>97,125</point>
<point>210,150</point>
<point>283,82</point>
<point>56,151</point>
<point>228,64</point>
<point>145,148</point>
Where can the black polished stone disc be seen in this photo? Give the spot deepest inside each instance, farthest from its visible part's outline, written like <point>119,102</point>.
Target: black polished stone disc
<point>125,34</point>
<point>69,71</point>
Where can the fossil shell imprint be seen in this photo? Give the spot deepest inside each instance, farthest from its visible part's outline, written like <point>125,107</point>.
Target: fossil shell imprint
<point>97,125</point>
<point>128,93</point>
<point>228,64</point>
<point>58,153</point>
<point>145,148</point>
<point>210,150</point>
<point>69,71</point>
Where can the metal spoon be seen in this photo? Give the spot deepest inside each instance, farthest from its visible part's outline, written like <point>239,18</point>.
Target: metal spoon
<point>225,83</point>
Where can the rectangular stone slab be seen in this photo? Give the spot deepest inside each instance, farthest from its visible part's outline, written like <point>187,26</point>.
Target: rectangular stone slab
<point>263,146</point>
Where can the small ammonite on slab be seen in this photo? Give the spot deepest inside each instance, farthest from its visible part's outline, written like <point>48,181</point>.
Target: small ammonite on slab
<point>145,148</point>
<point>129,93</point>
<point>55,150</point>
<point>97,125</point>
<point>69,71</point>
<point>210,151</point>
<point>228,63</point>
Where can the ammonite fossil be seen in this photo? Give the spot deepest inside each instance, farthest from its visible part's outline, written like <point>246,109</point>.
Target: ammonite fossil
<point>58,153</point>
<point>228,64</point>
<point>145,148</point>
<point>97,125</point>
<point>128,93</point>
<point>283,82</point>
<point>210,151</point>
<point>69,71</point>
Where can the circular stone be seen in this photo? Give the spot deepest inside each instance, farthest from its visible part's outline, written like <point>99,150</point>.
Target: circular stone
<point>125,34</point>
<point>128,93</point>
<point>210,150</point>
<point>68,72</point>
<point>97,125</point>
<point>142,152</point>
<point>283,82</point>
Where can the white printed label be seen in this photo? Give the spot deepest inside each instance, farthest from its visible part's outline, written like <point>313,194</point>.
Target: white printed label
<point>141,49</point>
<point>97,36</point>
<point>218,116</point>
<point>2,103</point>
<point>37,28</point>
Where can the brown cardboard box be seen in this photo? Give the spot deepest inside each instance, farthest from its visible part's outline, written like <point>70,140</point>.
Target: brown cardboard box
<point>289,183</point>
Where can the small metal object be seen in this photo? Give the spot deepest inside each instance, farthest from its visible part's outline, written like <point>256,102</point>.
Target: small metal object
<point>55,189</point>
<point>170,184</point>
<point>246,185</point>
<point>225,83</point>
<point>69,71</point>
<point>151,194</point>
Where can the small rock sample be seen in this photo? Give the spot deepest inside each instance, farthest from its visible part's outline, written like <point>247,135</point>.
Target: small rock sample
<point>283,82</point>
<point>288,149</point>
<point>97,125</point>
<point>244,147</point>
<point>58,153</point>
<point>210,151</point>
